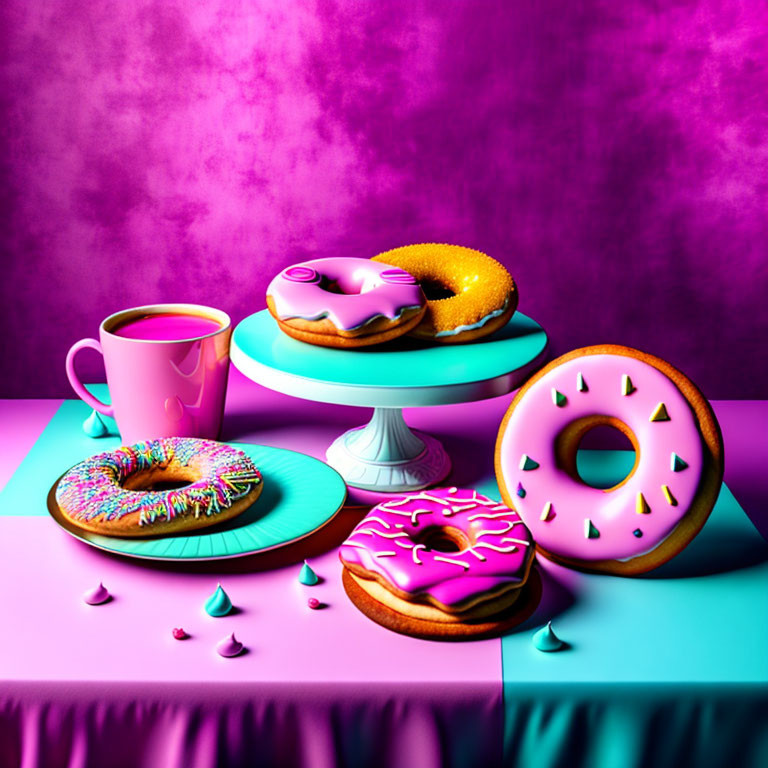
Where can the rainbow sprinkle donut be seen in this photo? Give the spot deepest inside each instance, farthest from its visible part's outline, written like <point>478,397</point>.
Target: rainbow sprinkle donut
<point>469,294</point>
<point>114,493</point>
<point>653,513</point>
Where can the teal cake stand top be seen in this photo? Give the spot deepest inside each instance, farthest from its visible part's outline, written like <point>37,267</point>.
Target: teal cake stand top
<point>399,374</point>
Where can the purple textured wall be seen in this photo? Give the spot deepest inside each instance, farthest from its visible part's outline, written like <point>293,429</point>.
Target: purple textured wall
<point>613,154</point>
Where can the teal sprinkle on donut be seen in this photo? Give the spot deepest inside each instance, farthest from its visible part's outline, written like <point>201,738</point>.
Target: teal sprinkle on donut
<point>676,464</point>
<point>558,398</point>
<point>94,488</point>
<point>527,463</point>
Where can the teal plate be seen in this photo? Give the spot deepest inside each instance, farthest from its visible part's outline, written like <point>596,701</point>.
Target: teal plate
<point>300,495</point>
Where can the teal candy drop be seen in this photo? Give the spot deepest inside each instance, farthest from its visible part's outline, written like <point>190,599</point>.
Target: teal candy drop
<point>94,426</point>
<point>218,604</point>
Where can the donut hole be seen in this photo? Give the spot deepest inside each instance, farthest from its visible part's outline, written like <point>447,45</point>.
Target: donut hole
<point>580,443</point>
<point>348,285</point>
<point>157,480</point>
<point>434,290</point>
<point>443,539</point>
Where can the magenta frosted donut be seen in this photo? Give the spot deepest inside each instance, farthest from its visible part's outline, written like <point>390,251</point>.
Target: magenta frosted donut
<point>654,512</point>
<point>400,545</point>
<point>345,301</point>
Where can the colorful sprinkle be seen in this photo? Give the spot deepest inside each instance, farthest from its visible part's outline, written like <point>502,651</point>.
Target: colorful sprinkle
<point>527,463</point>
<point>179,634</point>
<point>641,505</point>
<point>308,577</point>
<point>676,464</point>
<point>638,533</point>
<point>545,513</point>
<point>627,387</point>
<point>314,603</point>
<point>558,398</point>
<point>520,490</point>
<point>590,532</point>
<point>671,500</point>
<point>581,385</point>
<point>660,413</point>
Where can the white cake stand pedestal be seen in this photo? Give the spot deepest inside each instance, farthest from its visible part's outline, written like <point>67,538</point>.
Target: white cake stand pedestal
<point>385,455</point>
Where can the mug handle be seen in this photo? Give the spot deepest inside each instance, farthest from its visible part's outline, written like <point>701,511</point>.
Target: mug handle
<point>77,385</point>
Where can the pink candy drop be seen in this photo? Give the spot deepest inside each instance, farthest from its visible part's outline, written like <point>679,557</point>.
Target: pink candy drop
<point>301,275</point>
<point>397,276</point>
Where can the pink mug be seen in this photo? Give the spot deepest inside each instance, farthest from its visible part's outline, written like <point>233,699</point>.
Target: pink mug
<point>161,387</point>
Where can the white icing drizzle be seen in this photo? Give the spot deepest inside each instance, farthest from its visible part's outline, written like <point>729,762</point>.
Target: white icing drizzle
<point>480,557</point>
<point>489,516</point>
<point>414,553</point>
<point>461,507</point>
<point>403,544</point>
<point>354,544</point>
<point>384,554</point>
<point>510,525</point>
<point>517,541</point>
<point>452,562</point>
<point>485,502</point>
<point>383,534</point>
<point>502,550</point>
<point>374,519</point>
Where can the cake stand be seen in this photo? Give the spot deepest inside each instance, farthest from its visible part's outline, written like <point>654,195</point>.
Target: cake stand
<point>385,455</point>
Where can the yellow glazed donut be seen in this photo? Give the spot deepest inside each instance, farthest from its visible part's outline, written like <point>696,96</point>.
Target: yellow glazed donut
<point>469,294</point>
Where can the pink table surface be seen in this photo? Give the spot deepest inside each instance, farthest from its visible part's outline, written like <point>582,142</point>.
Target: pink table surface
<point>331,673</point>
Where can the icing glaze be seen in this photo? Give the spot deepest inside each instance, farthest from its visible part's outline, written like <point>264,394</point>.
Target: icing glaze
<point>93,489</point>
<point>307,576</point>
<point>591,523</point>
<point>484,320</point>
<point>218,604</point>
<point>546,640</point>
<point>369,290</point>
<point>229,646</point>
<point>97,596</point>
<point>496,551</point>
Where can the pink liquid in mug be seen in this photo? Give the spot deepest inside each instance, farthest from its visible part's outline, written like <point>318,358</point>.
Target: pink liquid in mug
<point>167,327</point>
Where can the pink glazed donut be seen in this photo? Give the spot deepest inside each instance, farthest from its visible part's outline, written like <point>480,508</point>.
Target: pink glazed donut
<point>653,513</point>
<point>345,302</point>
<point>442,555</point>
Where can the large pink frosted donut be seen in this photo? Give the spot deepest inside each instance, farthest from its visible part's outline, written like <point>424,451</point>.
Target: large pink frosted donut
<point>351,293</point>
<point>392,543</point>
<point>666,498</point>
